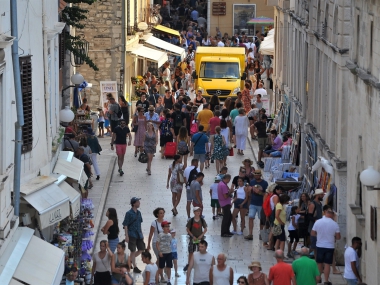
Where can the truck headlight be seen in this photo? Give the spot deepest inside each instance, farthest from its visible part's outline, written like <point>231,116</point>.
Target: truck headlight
<point>236,90</point>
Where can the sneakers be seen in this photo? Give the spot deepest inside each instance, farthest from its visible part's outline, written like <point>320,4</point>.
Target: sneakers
<point>177,275</point>
<point>233,232</point>
<point>249,237</point>
<point>185,268</point>
<point>289,255</point>
<point>239,233</point>
<point>97,177</point>
<point>136,270</point>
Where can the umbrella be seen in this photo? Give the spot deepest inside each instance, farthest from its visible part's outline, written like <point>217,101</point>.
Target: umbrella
<point>261,20</point>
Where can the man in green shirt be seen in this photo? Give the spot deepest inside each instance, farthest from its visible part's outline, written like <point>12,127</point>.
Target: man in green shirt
<point>233,115</point>
<point>306,269</point>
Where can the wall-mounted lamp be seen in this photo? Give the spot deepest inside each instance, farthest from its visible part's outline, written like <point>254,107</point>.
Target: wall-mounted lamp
<point>66,115</point>
<point>370,177</point>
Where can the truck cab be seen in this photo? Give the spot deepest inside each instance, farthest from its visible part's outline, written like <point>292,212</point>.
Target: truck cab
<point>219,71</point>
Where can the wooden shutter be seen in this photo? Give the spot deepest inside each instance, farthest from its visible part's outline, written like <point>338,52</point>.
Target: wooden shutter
<point>26,89</point>
<point>62,49</point>
<point>373,221</point>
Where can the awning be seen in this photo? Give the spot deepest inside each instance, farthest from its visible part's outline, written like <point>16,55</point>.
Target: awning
<point>28,259</point>
<point>166,30</point>
<point>73,195</point>
<point>70,166</point>
<point>154,42</point>
<point>267,46</point>
<point>51,203</point>
<point>149,53</point>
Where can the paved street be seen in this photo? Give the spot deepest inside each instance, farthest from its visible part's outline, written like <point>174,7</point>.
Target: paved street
<point>153,193</point>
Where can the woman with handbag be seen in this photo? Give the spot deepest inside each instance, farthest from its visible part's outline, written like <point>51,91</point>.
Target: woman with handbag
<point>176,180</point>
<point>279,223</point>
<point>139,127</point>
<point>101,265</point>
<point>219,149</point>
<point>150,144</point>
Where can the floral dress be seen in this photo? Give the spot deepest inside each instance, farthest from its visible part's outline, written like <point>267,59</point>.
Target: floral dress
<point>150,143</point>
<point>246,100</point>
<point>139,136</point>
<point>218,148</point>
<point>174,186</point>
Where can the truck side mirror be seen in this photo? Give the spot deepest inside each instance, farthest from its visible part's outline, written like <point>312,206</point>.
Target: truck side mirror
<point>244,76</point>
<point>194,75</point>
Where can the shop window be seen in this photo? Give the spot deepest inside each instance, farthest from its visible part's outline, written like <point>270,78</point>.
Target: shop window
<point>373,222</point>
<point>26,89</point>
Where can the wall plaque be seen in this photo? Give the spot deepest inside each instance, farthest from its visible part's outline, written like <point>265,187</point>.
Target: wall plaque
<point>218,8</point>
<point>102,43</point>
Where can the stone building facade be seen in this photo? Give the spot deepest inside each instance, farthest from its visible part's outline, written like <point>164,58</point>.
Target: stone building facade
<point>312,41</point>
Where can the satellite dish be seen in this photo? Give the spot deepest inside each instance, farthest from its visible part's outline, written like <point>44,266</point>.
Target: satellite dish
<point>142,26</point>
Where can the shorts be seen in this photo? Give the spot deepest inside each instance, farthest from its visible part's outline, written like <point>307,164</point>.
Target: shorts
<point>189,197</point>
<point>262,143</point>
<point>215,203</point>
<point>351,281</point>
<point>134,242</point>
<point>238,202</point>
<point>174,255</point>
<point>114,124</point>
<point>313,242</point>
<point>233,130</point>
<point>325,255</point>
<point>281,237</point>
<point>165,261</point>
<point>165,139</point>
<point>192,247</point>
<point>120,149</point>
<point>106,123</point>
<point>101,125</point>
<point>293,236</point>
<point>200,156</point>
<point>276,153</point>
<point>253,210</point>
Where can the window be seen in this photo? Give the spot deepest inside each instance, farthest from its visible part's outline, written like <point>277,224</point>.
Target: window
<point>26,89</point>
<point>357,38</point>
<point>62,49</point>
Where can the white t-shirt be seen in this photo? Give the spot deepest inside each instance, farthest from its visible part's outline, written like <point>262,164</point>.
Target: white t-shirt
<point>350,255</point>
<point>156,225</point>
<point>291,227</point>
<point>202,265</point>
<point>326,229</point>
<point>152,268</point>
<point>226,134</point>
<point>187,171</point>
<point>220,44</point>
<point>214,190</point>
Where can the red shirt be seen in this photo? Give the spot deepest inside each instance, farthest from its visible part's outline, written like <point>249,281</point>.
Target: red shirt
<point>214,122</point>
<point>281,274</point>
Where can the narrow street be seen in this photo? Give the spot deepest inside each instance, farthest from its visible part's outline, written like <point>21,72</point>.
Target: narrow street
<point>153,193</point>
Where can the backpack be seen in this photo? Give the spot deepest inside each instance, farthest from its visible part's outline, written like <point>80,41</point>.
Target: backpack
<point>192,176</point>
<point>266,206</point>
<point>193,126</point>
<point>178,120</point>
<point>119,113</point>
<point>192,222</point>
<point>165,128</point>
<point>182,147</point>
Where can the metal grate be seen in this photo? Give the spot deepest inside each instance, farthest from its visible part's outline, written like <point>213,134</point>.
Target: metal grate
<point>218,92</point>
<point>26,88</point>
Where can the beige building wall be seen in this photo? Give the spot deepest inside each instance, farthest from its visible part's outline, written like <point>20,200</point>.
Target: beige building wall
<point>226,23</point>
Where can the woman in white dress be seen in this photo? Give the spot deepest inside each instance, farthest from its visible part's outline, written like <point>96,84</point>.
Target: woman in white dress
<point>241,130</point>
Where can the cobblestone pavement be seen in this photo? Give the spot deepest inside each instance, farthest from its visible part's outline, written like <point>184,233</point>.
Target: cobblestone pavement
<point>153,193</point>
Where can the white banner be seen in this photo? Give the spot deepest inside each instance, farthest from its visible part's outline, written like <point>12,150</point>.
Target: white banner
<point>105,88</point>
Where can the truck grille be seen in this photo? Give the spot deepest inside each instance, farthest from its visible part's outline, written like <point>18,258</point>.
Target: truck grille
<point>218,92</point>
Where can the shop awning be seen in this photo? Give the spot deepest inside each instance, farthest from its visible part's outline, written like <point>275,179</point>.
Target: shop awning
<point>51,203</point>
<point>73,195</point>
<point>267,46</point>
<point>70,166</point>
<point>154,42</point>
<point>149,53</point>
<point>28,259</point>
<point>166,30</point>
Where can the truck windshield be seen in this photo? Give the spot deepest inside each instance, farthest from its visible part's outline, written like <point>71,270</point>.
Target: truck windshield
<point>219,70</point>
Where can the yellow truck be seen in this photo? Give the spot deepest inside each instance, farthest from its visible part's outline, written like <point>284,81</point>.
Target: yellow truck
<point>219,71</point>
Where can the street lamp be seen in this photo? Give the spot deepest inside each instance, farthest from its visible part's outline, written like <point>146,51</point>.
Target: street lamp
<point>370,177</point>
<point>66,115</point>
<point>76,79</point>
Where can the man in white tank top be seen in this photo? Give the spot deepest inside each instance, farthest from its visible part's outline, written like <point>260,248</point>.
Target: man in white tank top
<point>201,261</point>
<point>221,274</point>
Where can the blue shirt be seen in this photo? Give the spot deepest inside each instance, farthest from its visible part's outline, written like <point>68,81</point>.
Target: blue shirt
<point>256,199</point>
<point>174,245</point>
<point>200,146</point>
<point>133,221</point>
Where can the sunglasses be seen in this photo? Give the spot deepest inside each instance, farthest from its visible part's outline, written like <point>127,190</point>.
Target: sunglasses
<point>242,171</point>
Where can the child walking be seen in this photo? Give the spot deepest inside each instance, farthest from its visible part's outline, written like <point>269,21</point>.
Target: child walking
<point>174,252</point>
<point>101,121</point>
<point>293,231</point>
<point>214,198</point>
<point>164,249</point>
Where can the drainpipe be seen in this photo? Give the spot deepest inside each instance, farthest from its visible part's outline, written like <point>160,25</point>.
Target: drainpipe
<point>19,110</point>
<point>46,84</point>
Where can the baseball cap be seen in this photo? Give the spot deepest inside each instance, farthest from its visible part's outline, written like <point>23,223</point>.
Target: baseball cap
<point>196,209</point>
<point>134,200</point>
<point>165,223</point>
<point>218,178</point>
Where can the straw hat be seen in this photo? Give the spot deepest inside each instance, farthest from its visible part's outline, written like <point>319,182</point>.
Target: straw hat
<point>247,160</point>
<point>318,192</point>
<point>255,263</point>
